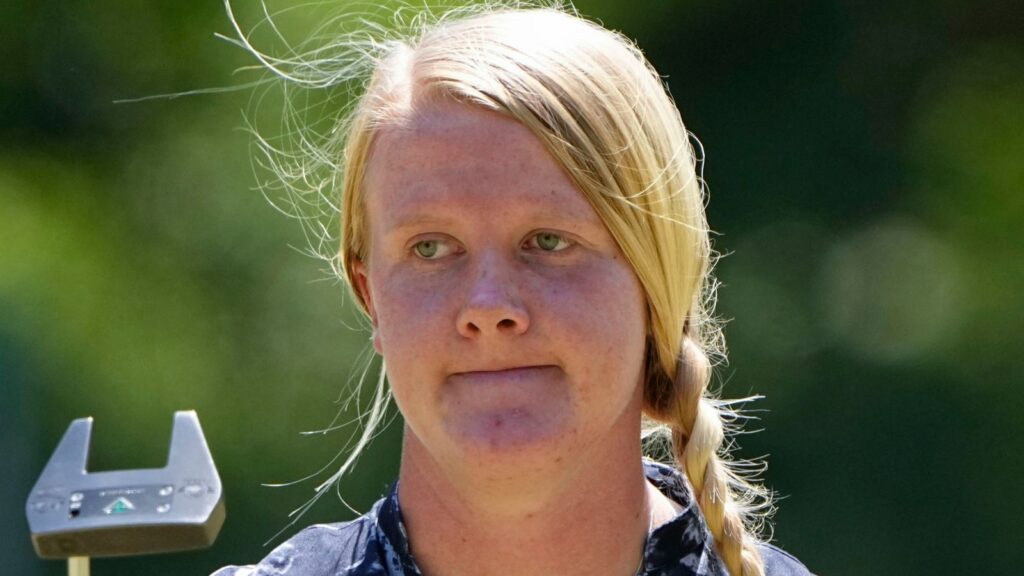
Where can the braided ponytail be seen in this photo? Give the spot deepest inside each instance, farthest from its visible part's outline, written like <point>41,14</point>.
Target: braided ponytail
<point>728,502</point>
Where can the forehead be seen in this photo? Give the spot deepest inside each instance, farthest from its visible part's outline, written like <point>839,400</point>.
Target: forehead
<point>456,155</point>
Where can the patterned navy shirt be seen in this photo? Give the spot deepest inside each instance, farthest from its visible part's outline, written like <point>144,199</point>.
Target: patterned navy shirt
<point>376,544</point>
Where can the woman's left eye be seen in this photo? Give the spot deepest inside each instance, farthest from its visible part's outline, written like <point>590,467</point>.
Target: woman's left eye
<point>548,242</point>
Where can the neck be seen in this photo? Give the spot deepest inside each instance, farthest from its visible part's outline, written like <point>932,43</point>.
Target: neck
<point>588,516</point>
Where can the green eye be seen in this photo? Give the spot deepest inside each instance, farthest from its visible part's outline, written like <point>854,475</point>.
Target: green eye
<point>549,242</point>
<point>426,248</point>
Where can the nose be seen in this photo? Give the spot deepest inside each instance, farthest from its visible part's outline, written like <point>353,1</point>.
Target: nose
<point>493,304</point>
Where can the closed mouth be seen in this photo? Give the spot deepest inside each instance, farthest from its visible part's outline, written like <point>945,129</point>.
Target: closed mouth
<point>509,370</point>
<point>503,375</point>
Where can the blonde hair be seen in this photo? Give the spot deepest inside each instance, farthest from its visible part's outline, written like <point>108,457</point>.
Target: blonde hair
<point>601,110</point>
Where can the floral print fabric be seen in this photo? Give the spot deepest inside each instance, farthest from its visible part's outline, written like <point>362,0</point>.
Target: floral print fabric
<point>376,544</point>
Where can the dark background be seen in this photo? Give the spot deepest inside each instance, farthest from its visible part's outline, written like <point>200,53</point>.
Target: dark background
<point>865,169</point>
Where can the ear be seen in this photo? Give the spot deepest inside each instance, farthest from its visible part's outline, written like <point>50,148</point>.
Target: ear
<point>361,278</point>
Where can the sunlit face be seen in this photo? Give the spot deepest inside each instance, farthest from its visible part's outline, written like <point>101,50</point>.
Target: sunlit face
<point>509,320</point>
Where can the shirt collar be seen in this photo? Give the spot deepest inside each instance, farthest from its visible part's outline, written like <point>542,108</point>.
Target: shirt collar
<point>680,547</point>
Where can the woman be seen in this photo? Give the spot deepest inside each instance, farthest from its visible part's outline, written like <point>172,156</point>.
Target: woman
<point>523,224</point>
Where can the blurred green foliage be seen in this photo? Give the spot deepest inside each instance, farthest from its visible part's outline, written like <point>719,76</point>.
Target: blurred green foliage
<point>866,177</point>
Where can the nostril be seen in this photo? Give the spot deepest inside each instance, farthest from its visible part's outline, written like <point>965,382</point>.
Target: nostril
<point>507,323</point>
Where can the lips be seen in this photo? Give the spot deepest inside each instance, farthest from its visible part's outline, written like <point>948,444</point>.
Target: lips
<point>521,374</point>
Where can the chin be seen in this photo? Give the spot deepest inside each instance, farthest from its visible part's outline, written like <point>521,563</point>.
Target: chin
<point>514,438</point>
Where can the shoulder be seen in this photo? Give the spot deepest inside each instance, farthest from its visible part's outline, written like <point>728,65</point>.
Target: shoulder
<point>778,562</point>
<point>348,548</point>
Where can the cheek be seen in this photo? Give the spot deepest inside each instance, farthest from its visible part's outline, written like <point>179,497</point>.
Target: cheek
<point>410,315</point>
<point>603,317</point>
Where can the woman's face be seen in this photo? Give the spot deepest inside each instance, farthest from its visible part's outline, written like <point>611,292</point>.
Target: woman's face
<point>510,323</point>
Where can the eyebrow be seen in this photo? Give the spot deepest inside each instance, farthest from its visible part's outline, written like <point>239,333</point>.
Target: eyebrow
<point>541,218</point>
<point>418,220</point>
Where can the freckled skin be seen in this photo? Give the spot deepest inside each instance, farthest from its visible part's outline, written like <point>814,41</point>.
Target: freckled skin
<point>499,352</point>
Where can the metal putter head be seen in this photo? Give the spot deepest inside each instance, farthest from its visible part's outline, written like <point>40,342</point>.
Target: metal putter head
<point>126,512</point>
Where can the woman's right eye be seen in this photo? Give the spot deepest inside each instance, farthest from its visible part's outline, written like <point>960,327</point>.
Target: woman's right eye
<point>432,249</point>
